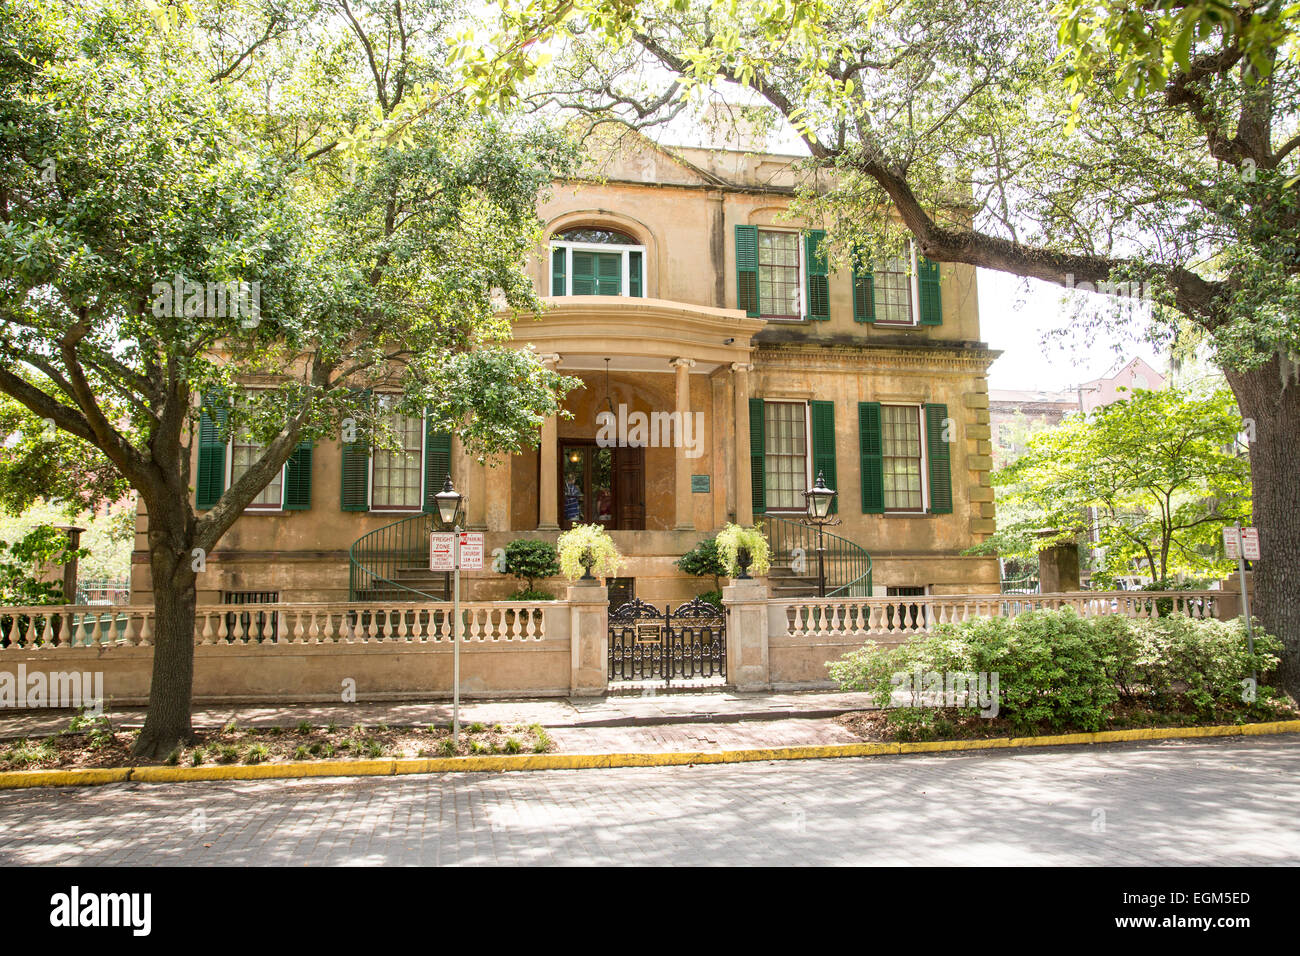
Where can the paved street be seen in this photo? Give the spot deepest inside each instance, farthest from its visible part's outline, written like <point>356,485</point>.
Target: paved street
<point>1231,801</point>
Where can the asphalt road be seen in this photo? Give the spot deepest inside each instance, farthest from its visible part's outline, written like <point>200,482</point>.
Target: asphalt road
<point>1230,801</point>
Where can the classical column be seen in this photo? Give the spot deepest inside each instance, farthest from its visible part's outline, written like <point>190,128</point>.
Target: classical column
<point>744,488</point>
<point>476,489</point>
<point>685,507</point>
<point>497,494</point>
<point>548,501</point>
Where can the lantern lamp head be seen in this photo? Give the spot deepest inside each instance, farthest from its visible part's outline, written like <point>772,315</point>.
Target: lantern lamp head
<point>449,503</point>
<point>819,498</point>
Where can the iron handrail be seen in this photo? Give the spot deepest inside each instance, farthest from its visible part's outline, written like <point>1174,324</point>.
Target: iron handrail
<point>848,565</point>
<point>375,557</point>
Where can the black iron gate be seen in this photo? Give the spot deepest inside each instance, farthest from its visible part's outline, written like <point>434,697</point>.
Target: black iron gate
<point>646,643</point>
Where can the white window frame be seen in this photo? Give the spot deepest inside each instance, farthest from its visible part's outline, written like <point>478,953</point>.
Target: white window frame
<point>801,287</point>
<point>914,284</point>
<point>925,459</point>
<point>370,471</point>
<point>807,449</point>
<point>622,249</point>
<point>230,471</point>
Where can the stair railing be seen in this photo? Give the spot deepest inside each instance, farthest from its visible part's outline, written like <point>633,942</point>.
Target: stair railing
<point>848,566</point>
<point>375,558</point>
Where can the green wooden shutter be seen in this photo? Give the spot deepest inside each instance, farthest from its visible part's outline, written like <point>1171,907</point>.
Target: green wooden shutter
<point>757,463</point>
<point>297,478</point>
<point>747,269</point>
<point>634,274</point>
<point>609,273</point>
<point>819,289</point>
<point>823,447</point>
<point>437,464</point>
<point>927,276</point>
<point>210,482</point>
<point>558,256</point>
<point>871,458</point>
<point>864,290</point>
<point>597,273</point>
<point>354,488</point>
<point>940,469</point>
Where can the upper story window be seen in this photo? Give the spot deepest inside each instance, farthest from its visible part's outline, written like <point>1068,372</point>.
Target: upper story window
<point>778,274</point>
<point>899,290</point>
<point>591,260</point>
<point>782,273</point>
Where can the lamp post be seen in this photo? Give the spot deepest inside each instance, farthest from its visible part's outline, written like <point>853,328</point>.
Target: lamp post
<point>450,505</point>
<point>817,501</point>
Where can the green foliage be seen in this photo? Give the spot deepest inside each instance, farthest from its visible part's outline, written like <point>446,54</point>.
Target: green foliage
<point>1058,671</point>
<point>732,538</point>
<point>327,159</point>
<point>588,545</point>
<point>24,562</point>
<point>704,560</point>
<point>1160,471</point>
<point>713,597</point>
<point>40,463</point>
<point>529,560</point>
<point>1137,49</point>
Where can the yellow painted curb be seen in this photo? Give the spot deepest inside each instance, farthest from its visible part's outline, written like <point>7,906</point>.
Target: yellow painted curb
<point>497,763</point>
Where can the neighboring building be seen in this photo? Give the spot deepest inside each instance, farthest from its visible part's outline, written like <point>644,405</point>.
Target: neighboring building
<point>1015,414</point>
<point>1132,375</point>
<point>675,278</point>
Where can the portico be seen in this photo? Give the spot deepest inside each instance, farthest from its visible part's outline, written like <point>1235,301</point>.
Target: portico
<point>657,438</point>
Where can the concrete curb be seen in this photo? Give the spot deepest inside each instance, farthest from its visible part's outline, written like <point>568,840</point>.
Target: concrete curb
<point>498,763</point>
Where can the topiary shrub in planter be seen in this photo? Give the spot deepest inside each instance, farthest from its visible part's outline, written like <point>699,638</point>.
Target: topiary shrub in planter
<point>529,560</point>
<point>744,551</point>
<point>587,550</point>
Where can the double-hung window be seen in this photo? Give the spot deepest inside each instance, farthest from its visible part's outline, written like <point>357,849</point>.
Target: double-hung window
<point>899,290</point>
<point>895,303</point>
<point>244,453</point>
<point>226,455</point>
<point>779,288</point>
<point>593,261</point>
<point>397,471</point>
<point>903,450</point>
<point>785,455</point>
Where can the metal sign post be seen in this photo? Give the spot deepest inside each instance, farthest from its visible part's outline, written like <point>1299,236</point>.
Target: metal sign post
<point>1240,543</point>
<point>455,640</point>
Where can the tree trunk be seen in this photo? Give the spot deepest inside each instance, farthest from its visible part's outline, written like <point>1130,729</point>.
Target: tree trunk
<point>167,721</point>
<point>1269,396</point>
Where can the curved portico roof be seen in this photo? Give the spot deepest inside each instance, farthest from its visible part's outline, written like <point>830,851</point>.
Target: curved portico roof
<point>638,332</point>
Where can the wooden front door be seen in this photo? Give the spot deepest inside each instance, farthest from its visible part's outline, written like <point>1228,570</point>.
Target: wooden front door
<point>604,486</point>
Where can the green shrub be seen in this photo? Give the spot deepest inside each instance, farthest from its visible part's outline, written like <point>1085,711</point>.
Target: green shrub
<point>1059,671</point>
<point>713,597</point>
<point>529,560</point>
<point>704,560</point>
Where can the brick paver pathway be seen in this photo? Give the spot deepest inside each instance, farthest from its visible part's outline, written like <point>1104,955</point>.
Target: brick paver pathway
<point>1231,801</point>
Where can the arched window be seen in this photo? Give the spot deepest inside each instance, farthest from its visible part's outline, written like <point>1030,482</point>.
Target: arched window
<point>596,260</point>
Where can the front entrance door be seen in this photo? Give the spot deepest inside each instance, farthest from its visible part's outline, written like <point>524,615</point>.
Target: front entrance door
<point>604,486</point>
